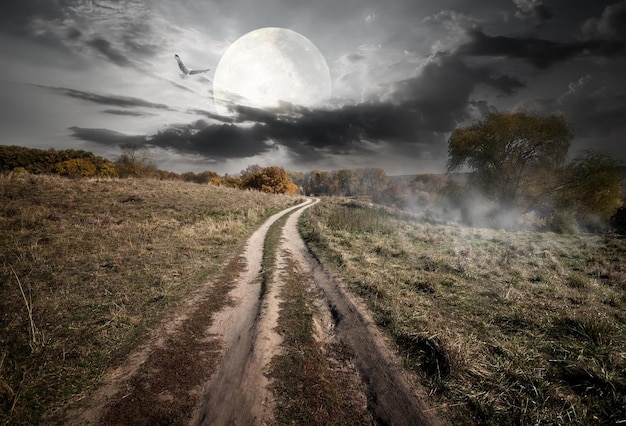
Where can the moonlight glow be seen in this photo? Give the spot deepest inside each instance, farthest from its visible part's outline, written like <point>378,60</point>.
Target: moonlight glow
<point>270,65</point>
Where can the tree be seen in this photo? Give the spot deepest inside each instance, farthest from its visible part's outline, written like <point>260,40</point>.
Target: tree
<point>271,179</point>
<point>131,164</point>
<point>592,186</point>
<point>203,177</point>
<point>76,167</point>
<point>429,182</point>
<point>507,153</point>
<point>372,180</point>
<point>517,160</point>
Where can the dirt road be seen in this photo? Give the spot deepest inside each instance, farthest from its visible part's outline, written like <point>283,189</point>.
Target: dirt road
<point>237,393</point>
<point>211,367</point>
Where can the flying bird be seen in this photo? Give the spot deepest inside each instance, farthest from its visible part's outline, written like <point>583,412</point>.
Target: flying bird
<point>186,71</point>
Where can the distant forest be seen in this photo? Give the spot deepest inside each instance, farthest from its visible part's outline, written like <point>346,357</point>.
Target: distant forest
<point>370,182</point>
<point>63,162</point>
<point>441,196</point>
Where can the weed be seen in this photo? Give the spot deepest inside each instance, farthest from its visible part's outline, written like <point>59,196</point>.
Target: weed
<point>576,281</point>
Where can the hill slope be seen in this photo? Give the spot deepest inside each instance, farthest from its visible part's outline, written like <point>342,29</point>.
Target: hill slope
<point>503,327</point>
<point>89,267</point>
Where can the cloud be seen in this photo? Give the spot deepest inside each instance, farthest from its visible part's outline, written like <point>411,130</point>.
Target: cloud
<point>611,25</point>
<point>118,101</point>
<point>440,93</point>
<point>590,105</point>
<point>593,106</point>
<point>106,137</point>
<point>413,117</point>
<point>456,25</point>
<point>537,52</point>
<point>453,20</point>
<point>16,15</point>
<point>105,48</point>
<point>127,112</point>
<point>222,141</point>
<point>533,10</point>
<point>116,30</point>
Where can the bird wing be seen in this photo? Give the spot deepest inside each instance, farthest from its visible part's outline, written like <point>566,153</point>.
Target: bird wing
<point>181,65</point>
<point>192,72</point>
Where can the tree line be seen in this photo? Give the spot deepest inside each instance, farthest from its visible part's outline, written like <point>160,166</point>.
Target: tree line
<point>132,163</point>
<point>508,165</point>
<point>63,162</point>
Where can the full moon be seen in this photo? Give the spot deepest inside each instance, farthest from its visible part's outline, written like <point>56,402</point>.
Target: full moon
<point>271,65</point>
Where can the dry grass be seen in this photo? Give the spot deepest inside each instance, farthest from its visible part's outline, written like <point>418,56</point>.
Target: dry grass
<point>88,268</point>
<point>311,382</point>
<point>503,327</point>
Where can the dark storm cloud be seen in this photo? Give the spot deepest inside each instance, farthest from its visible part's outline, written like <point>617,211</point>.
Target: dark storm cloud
<point>533,10</point>
<point>611,25</point>
<point>439,95</point>
<point>538,52</point>
<point>127,112</point>
<point>15,15</point>
<point>307,134</point>
<point>415,113</point>
<point>216,140</point>
<point>106,137</point>
<point>212,115</point>
<point>589,105</point>
<point>118,101</point>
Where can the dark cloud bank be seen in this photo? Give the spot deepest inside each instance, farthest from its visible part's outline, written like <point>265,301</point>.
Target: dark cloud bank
<point>414,116</point>
<point>415,112</point>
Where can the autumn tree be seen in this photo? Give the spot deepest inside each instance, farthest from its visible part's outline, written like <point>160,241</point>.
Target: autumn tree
<point>519,160</point>
<point>66,162</point>
<point>76,167</point>
<point>508,154</point>
<point>592,186</point>
<point>134,164</point>
<point>271,179</point>
<point>202,177</point>
<point>429,182</point>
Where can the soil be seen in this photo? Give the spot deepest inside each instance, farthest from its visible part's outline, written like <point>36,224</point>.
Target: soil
<point>210,365</point>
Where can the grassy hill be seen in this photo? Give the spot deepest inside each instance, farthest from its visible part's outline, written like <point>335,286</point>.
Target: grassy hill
<point>89,267</point>
<point>502,327</point>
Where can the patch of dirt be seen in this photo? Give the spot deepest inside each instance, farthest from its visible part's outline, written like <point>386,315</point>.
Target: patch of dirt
<point>238,392</point>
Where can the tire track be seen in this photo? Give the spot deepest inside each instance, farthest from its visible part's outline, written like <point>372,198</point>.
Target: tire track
<point>391,400</point>
<point>237,393</point>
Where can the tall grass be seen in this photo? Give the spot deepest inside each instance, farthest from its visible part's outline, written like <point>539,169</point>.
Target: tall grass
<point>88,268</point>
<point>503,327</point>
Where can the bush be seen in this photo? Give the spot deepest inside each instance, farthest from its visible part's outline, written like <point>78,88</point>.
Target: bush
<point>273,180</point>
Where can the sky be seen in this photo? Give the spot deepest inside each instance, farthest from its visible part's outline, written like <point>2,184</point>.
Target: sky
<point>101,75</point>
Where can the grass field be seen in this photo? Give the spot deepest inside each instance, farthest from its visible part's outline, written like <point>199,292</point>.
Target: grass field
<point>88,268</point>
<point>502,327</point>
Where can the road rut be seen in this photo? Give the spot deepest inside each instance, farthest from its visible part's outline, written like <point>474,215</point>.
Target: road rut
<point>238,394</point>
